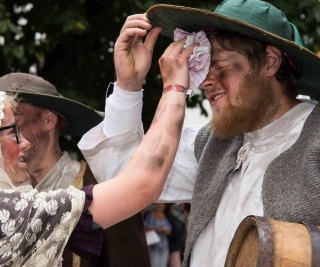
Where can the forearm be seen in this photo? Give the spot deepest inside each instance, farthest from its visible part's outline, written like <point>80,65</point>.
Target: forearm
<point>157,151</point>
<point>142,180</point>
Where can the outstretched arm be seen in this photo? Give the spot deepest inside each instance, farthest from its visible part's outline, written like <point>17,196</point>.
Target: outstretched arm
<point>143,178</point>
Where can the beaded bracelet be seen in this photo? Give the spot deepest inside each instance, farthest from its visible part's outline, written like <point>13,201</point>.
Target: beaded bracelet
<point>176,87</point>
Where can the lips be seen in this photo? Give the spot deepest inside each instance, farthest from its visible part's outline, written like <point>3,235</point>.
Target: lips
<point>215,97</point>
<point>22,161</point>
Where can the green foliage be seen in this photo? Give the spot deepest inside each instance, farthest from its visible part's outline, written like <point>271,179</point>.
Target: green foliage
<point>70,43</point>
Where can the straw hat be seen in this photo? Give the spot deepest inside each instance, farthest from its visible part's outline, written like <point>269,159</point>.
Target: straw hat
<point>253,18</point>
<point>35,90</point>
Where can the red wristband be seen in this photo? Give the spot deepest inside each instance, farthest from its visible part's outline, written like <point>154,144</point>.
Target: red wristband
<point>174,87</point>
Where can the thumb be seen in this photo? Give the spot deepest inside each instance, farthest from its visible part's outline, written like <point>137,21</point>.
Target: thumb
<point>151,38</point>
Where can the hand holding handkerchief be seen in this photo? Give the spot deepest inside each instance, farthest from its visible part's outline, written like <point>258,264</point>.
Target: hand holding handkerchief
<point>199,61</point>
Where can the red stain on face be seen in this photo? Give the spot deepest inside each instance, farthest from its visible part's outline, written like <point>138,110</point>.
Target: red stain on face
<point>12,152</point>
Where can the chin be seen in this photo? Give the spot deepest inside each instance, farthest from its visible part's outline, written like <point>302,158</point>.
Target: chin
<point>21,179</point>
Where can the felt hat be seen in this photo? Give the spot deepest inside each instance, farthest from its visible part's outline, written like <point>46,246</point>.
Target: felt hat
<point>78,118</point>
<point>252,18</point>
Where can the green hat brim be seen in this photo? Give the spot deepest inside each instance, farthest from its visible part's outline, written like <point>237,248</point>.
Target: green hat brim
<point>170,17</point>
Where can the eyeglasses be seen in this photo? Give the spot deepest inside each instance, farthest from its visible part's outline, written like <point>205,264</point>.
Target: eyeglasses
<point>16,131</point>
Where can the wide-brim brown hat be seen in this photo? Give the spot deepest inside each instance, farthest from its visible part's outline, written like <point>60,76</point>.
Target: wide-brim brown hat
<point>252,18</point>
<point>78,117</point>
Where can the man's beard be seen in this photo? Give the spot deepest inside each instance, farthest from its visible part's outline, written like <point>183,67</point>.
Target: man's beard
<point>36,140</point>
<point>255,98</point>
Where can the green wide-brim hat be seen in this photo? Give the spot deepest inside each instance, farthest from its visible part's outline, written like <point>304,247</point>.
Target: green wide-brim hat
<point>34,90</point>
<point>253,18</point>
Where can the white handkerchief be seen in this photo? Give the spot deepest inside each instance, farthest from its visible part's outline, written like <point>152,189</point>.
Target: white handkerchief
<point>199,61</point>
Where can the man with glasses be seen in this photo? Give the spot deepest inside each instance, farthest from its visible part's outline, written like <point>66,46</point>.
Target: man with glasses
<point>43,114</point>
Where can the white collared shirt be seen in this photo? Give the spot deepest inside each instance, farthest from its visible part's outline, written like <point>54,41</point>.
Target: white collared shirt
<point>109,146</point>
<point>243,194</point>
<point>61,175</point>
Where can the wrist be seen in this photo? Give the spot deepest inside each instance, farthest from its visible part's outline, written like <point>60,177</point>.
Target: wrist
<point>129,86</point>
<point>176,87</point>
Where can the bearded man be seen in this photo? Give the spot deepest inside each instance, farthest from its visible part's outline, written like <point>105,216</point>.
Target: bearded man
<point>260,153</point>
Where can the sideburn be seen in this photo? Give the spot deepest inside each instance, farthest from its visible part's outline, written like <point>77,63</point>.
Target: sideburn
<point>36,140</point>
<point>254,98</point>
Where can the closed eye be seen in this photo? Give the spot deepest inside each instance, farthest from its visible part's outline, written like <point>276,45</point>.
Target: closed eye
<point>221,67</point>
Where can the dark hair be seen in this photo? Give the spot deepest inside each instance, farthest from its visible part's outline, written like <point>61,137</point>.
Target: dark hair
<point>256,53</point>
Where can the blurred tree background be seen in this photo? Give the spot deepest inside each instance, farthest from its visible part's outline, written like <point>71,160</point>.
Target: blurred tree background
<point>70,43</point>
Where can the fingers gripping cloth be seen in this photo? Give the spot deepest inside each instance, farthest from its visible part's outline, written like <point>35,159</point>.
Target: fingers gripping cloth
<point>199,61</point>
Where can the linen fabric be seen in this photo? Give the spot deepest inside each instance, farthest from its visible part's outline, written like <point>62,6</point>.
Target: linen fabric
<point>61,175</point>
<point>290,185</point>
<point>121,140</point>
<point>180,184</point>
<point>233,190</point>
<point>199,61</point>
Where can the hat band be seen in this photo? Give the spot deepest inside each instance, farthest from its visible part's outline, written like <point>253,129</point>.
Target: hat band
<point>291,62</point>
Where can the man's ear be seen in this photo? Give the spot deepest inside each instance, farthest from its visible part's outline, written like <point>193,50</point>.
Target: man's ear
<point>274,59</point>
<point>51,119</point>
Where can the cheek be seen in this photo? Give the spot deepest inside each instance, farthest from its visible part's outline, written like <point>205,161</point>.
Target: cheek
<point>10,151</point>
<point>232,87</point>
<point>238,87</point>
<point>26,129</point>
<point>28,126</point>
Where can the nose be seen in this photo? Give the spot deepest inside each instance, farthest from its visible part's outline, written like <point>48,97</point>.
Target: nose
<point>210,81</point>
<point>25,144</point>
